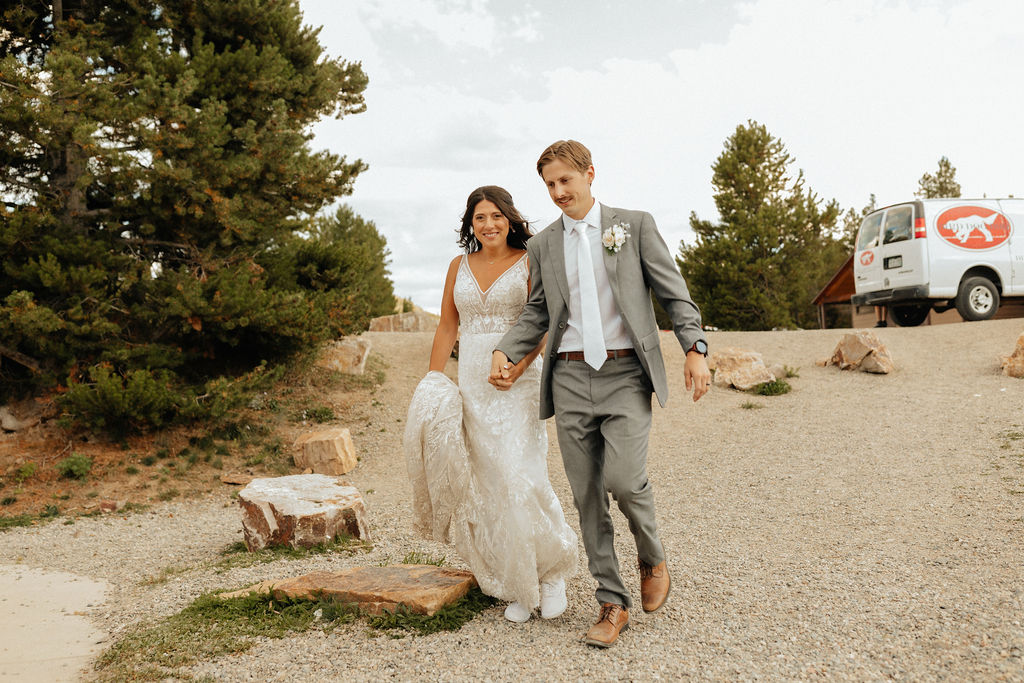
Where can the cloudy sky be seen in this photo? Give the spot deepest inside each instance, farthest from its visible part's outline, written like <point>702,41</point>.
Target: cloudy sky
<point>865,94</point>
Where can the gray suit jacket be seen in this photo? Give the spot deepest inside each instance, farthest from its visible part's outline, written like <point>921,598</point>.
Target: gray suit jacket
<point>643,265</point>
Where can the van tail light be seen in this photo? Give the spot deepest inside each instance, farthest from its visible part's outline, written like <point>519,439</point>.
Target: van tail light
<point>919,230</point>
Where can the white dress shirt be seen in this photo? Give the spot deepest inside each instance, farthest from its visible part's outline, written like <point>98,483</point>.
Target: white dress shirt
<point>615,334</point>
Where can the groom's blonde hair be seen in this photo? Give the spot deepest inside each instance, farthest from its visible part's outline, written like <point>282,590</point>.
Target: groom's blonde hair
<point>569,151</point>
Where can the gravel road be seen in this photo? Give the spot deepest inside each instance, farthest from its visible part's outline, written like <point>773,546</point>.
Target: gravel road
<point>860,527</point>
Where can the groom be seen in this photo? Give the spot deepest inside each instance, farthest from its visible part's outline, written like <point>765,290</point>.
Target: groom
<point>591,275</point>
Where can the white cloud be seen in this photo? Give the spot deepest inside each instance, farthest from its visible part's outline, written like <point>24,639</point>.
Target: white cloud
<point>456,23</point>
<point>865,95</point>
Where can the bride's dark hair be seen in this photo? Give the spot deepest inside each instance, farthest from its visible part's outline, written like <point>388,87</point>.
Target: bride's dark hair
<point>518,228</point>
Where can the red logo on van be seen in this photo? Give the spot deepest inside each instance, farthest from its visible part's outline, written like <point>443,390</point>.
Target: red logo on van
<point>866,258</point>
<point>973,227</point>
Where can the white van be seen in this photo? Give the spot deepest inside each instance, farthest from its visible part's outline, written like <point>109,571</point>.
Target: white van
<point>940,254</point>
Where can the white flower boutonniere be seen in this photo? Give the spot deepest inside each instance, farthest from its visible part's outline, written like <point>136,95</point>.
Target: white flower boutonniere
<point>614,237</point>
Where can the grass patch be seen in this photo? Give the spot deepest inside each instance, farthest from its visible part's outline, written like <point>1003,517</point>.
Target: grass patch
<point>211,627</point>
<point>751,405</point>
<point>416,557</point>
<point>449,618</point>
<point>168,494</point>
<point>791,372</point>
<point>237,555</point>
<point>16,521</point>
<point>773,388</point>
<point>48,512</point>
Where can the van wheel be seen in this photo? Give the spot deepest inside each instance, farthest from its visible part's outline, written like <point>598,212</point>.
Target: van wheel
<point>977,299</point>
<point>910,315</point>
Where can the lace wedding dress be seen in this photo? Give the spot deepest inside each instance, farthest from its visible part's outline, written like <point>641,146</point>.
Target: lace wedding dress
<point>477,456</point>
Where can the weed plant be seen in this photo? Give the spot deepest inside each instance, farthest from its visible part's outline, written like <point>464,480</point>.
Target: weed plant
<point>773,388</point>
<point>416,557</point>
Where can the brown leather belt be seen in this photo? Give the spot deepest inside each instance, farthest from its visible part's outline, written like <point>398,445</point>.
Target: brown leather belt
<point>612,355</point>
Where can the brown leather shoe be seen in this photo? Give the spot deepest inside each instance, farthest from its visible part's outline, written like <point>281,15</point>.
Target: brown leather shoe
<point>614,619</point>
<point>654,585</point>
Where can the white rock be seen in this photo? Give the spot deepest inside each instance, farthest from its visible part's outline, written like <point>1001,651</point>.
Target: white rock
<point>300,510</point>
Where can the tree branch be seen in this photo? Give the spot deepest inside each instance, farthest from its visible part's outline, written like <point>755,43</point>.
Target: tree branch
<point>20,358</point>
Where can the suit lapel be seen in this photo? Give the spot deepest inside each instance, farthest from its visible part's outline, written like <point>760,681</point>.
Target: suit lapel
<point>611,258</point>
<point>556,249</point>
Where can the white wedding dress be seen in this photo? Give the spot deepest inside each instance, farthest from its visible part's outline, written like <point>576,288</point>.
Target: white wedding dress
<point>477,457</point>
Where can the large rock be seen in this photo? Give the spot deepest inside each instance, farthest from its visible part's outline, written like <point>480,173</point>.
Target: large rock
<point>414,321</point>
<point>422,588</point>
<point>328,451</point>
<point>10,423</point>
<point>300,510</point>
<point>862,350</point>
<point>739,368</point>
<point>1013,365</point>
<point>347,355</point>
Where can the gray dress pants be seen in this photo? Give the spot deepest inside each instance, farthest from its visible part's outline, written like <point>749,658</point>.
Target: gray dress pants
<point>603,419</point>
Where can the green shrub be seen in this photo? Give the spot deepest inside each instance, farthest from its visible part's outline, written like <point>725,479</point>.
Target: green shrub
<point>321,414</point>
<point>119,404</point>
<point>26,471</point>
<point>75,466</point>
<point>774,388</point>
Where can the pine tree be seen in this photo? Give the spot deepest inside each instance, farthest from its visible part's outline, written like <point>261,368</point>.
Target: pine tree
<point>942,184</point>
<point>152,155</point>
<point>851,224</point>
<point>343,262</point>
<point>761,265</point>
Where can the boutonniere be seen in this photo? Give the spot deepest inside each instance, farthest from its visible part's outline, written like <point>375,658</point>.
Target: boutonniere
<point>614,237</point>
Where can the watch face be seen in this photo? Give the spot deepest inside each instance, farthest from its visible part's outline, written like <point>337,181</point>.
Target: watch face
<point>701,347</point>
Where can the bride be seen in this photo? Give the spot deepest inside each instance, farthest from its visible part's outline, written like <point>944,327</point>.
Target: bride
<point>477,457</point>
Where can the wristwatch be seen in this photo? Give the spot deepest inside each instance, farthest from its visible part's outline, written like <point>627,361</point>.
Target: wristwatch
<point>700,346</point>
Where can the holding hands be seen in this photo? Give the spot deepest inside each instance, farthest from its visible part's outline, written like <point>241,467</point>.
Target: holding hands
<point>503,371</point>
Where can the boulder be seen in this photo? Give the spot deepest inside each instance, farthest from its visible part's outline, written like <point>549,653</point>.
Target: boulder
<point>739,368</point>
<point>301,510</point>
<point>1013,365</point>
<point>422,588</point>
<point>862,350</point>
<point>328,451</point>
<point>10,423</point>
<point>413,321</point>
<point>347,355</point>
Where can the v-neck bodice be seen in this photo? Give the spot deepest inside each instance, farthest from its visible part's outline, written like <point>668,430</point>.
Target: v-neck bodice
<point>495,309</point>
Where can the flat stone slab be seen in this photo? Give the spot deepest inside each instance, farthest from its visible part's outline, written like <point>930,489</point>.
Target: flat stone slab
<point>422,588</point>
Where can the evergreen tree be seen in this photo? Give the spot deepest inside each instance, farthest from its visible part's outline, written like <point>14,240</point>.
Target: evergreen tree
<point>851,224</point>
<point>153,156</point>
<point>942,184</point>
<point>761,265</point>
<point>343,261</point>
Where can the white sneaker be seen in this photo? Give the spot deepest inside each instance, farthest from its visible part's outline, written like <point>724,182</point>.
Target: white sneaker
<point>552,599</point>
<point>517,613</point>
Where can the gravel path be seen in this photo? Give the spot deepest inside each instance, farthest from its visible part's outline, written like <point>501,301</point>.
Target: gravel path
<point>860,527</point>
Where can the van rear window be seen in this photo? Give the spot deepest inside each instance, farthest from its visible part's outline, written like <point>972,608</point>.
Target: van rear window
<point>867,238</point>
<point>899,224</point>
